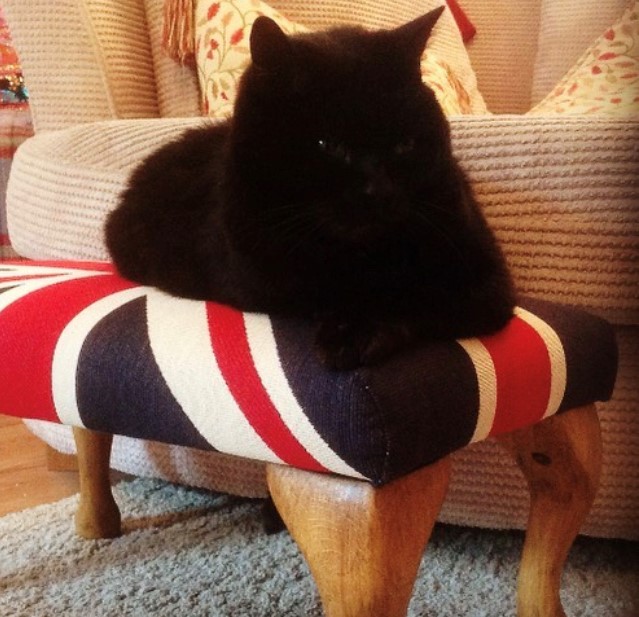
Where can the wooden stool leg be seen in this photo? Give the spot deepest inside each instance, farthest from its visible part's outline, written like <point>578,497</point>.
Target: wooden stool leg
<point>363,544</point>
<point>561,460</point>
<point>98,515</point>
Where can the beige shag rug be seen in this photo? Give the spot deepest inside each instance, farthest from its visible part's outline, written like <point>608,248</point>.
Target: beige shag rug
<point>188,553</point>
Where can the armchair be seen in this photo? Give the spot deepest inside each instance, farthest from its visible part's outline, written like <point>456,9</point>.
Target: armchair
<point>560,191</point>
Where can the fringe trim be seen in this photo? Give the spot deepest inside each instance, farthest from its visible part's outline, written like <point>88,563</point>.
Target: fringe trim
<point>178,31</point>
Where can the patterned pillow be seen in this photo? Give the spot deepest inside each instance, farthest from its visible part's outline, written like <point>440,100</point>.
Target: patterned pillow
<point>605,80</point>
<point>221,47</point>
<point>222,54</point>
<point>451,94</point>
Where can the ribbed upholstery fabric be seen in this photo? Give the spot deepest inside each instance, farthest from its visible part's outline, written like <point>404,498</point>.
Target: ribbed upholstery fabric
<point>503,51</point>
<point>84,60</point>
<point>64,182</point>
<point>561,193</point>
<point>564,208</point>
<point>178,94</point>
<point>210,470</point>
<point>567,29</point>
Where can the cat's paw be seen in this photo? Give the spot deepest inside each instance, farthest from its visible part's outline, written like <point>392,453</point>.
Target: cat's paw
<point>339,346</point>
<point>345,345</point>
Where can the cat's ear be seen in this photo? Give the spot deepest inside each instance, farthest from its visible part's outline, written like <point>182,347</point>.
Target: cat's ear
<point>414,35</point>
<point>270,47</point>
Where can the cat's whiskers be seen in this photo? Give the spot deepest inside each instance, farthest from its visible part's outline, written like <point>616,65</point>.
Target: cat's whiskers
<point>422,216</point>
<point>289,225</point>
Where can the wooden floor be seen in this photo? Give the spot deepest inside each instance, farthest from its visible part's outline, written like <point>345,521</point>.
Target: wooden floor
<point>25,480</point>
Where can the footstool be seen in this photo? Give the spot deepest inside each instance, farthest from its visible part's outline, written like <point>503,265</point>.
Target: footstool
<point>357,461</point>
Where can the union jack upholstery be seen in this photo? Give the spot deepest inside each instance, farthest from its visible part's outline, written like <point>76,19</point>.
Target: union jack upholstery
<point>80,345</point>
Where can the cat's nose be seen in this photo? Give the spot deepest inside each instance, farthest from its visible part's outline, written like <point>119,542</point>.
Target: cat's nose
<point>378,185</point>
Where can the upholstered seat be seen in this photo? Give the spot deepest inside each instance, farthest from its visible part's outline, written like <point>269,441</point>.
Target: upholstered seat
<point>82,346</point>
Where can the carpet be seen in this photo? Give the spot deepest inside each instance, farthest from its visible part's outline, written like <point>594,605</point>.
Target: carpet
<point>189,553</point>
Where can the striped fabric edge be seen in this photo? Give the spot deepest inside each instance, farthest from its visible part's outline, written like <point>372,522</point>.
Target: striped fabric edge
<point>264,351</point>
<point>22,281</point>
<point>539,386</point>
<point>224,370</point>
<point>66,354</point>
<point>22,304</point>
<point>240,405</point>
<point>181,346</point>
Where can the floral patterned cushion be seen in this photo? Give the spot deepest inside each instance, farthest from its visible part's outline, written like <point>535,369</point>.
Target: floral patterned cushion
<point>222,51</point>
<point>605,80</point>
<point>222,55</point>
<point>451,94</point>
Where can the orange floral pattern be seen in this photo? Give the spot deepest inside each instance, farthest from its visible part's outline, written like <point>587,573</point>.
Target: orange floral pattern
<point>605,80</point>
<point>448,88</point>
<point>222,53</point>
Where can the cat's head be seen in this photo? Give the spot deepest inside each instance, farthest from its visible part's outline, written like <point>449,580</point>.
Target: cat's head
<point>334,133</point>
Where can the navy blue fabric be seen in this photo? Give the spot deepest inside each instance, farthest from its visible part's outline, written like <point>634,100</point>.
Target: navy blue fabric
<point>120,388</point>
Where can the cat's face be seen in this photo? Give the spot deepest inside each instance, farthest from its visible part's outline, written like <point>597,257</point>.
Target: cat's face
<point>336,134</point>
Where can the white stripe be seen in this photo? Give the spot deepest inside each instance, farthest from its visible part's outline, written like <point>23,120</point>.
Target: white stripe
<point>487,385</point>
<point>69,346</point>
<point>181,345</point>
<point>267,363</point>
<point>24,288</point>
<point>558,373</point>
<point>8,269</point>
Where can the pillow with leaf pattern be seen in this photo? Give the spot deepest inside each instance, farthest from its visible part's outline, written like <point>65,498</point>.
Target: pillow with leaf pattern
<point>222,54</point>
<point>605,80</point>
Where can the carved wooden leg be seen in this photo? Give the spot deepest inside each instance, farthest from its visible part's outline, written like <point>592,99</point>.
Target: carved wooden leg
<point>98,515</point>
<point>363,544</point>
<point>561,460</point>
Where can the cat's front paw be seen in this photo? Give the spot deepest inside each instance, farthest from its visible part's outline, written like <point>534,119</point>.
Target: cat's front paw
<point>344,345</point>
<point>338,345</point>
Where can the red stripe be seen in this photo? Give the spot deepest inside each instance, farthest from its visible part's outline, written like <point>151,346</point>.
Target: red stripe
<point>228,336</point>
<point>24,277</point>
<point>71,266</point>
<point>29,331</point>
<point>523,371</point>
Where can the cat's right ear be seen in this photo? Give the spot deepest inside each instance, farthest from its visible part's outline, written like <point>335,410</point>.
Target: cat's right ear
<point>270,47</point>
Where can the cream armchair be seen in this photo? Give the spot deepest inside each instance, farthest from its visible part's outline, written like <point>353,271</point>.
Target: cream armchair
<point>561,193</point>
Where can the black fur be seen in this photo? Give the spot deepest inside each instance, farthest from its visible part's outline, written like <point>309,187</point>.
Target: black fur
<point>332,195</point>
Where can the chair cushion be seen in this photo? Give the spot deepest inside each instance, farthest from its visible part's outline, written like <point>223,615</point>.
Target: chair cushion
<point>82,346</point>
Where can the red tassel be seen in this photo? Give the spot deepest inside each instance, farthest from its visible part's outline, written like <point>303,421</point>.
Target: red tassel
<point>178,32</point>
<point>464,24</point>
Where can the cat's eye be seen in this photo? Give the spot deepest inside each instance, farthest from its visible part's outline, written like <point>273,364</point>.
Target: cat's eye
<point>335,149</point>
<point>404,147</point>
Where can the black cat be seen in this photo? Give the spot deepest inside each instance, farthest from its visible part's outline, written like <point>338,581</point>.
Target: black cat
<point>332,194</point>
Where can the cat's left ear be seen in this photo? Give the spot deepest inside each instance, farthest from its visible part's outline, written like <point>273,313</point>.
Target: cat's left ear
<point>414,35</point>
<point>270,47</point>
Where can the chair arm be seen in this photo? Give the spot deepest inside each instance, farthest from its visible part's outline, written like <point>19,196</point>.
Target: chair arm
<point>562,194</point>
<point>63,183</point>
